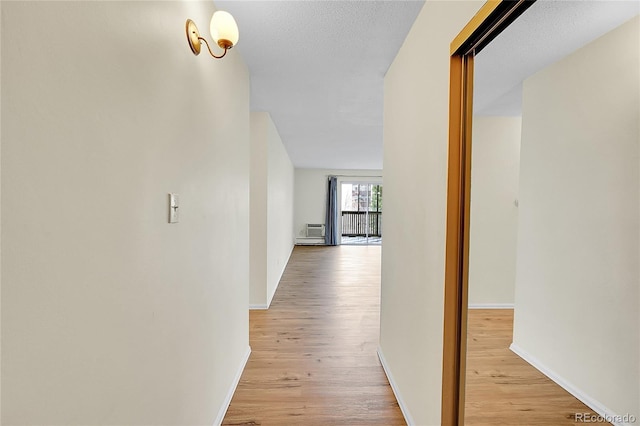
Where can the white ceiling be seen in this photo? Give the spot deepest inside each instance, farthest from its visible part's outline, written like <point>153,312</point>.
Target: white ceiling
<point>544,34</point>
<point>318,68</point>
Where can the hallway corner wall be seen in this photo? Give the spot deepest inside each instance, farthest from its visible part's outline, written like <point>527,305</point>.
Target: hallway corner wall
<point>272,201</point>
<point>416,96</point>
<point>416,111</point>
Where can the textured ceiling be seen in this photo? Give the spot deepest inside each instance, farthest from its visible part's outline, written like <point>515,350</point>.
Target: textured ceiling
<point>318,68</point>
<point>544,34</point>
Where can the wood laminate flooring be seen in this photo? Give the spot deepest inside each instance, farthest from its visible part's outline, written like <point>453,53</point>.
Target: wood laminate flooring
<point>502,388</point>
<point>313,359</point>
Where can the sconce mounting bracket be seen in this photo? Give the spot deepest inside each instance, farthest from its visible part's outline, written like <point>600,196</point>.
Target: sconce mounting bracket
<point>193,35</point>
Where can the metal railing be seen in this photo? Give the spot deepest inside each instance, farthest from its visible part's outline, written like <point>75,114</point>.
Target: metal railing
<point>360,224</point>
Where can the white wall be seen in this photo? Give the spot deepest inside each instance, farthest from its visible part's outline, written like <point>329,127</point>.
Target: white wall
<point>258,212</point>
<point>280,193</point>
<point>272,185</point>
<point>577,311</point>
<point>110,315</point>
<point>494,214</point>
<point>415,180</point>
<point>311,193</point>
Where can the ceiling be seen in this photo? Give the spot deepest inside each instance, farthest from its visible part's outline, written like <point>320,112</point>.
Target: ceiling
<point>318,66</point>
<point>544,34</point>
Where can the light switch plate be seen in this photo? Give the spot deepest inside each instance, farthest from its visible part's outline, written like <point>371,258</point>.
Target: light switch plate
<point>174,204</point>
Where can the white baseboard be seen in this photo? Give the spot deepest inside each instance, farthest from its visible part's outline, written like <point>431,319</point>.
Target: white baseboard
<point>262,306</point>
<point>270,297</point>
<point>232,389</point>
<point>490,305</point>
<point>259,306</point>
<point>590,402</point>
<point>284,268</point>
<point>396,392</point>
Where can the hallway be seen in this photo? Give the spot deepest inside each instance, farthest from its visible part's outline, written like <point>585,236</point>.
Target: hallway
<point>313,357</point>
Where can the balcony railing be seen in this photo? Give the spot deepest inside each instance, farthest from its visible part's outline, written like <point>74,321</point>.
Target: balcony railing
<point>360,224</point>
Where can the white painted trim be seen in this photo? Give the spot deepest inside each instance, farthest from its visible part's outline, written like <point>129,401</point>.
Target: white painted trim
<point>394,388</point>
<point>590,402</point>
<point>273,294</point>
<point>232,389</point>
<point>258,306</point>
<point>491,305</point>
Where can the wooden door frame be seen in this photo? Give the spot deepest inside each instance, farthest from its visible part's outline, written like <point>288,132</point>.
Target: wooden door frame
<point>492,18</point>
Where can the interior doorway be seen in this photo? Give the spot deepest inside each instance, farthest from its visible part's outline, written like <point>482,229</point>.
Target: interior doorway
<point>361,213</point>
<point>553,137</point>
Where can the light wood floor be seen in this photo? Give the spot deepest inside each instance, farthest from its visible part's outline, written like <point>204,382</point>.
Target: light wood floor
<point>502,388</point>
<point>313,359</point>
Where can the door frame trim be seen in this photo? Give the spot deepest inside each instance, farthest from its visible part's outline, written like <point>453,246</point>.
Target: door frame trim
<point>492,18</point>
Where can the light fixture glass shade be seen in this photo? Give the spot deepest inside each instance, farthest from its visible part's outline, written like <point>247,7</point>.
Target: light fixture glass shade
<point>224,29</point>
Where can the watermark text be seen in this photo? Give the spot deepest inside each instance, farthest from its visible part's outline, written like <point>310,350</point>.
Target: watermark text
<point>597,418</point>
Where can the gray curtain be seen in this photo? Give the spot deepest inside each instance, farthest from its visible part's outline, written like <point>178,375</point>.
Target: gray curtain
<point>331,223</point>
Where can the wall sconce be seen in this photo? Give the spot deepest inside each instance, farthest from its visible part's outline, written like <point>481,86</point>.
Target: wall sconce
<point>224,32</point>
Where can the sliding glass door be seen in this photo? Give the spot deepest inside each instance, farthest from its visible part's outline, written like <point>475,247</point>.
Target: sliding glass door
<point>361,213</point>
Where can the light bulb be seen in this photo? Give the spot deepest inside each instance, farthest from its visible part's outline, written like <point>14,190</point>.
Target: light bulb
<point>224,29</point>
